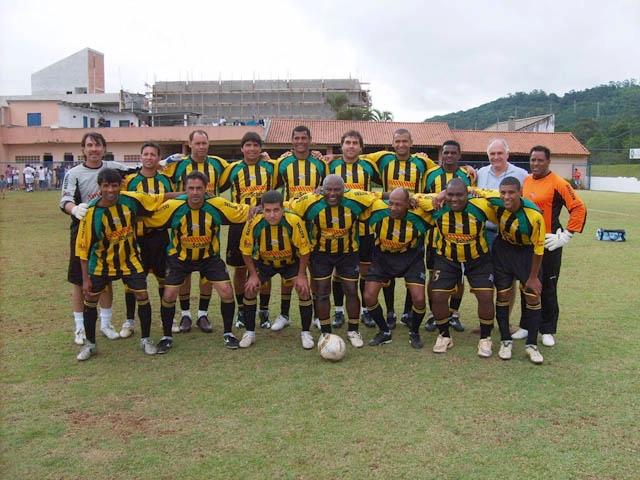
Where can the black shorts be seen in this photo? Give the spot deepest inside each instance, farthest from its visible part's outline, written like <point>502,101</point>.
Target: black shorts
<point>287,272</point>
<point>346,265</point>
<point>447,274</point>
<point>74,272</point>
<point>212,269</point>
<point>510,262</point>
<point>234,255</point>
<point>135,282</point>
<point>408,265</point>
<point>153,252</point>
<point>365,251</point>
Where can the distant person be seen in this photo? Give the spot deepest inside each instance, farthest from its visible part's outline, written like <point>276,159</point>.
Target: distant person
<point>29,174</point>
<point>550,192</point>
<point>16,178</point>
<point>3,185</point>
<point>42,178</point>
<point>9,177</point>
<point>577,179</point>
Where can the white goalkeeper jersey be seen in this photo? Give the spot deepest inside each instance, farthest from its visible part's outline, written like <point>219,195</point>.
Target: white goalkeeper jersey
<point>80,184</point>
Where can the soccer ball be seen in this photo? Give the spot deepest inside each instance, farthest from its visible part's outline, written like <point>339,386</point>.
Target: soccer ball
<point>332,348</point>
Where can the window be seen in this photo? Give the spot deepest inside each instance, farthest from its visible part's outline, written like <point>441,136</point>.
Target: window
<point>124,123</point>
<point>34,119</point>
<point>132,158</point>
<point>109,156</point>
<point>92,122</point>
<point>27,159</point>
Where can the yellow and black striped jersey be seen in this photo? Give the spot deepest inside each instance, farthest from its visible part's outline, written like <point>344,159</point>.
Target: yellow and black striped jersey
<point>275,245</point>
<point>298,177</point>
<point>334,229</point>
<point>459,236</point>
<point>248,183</point>
<point>136,182</point>
<point>212,167</point>
<point>409,174</point>
<point>399,235</point>
<point>195,233</point>
<point>107,237</point>
<point>438,177</point>
<point>523,227</point>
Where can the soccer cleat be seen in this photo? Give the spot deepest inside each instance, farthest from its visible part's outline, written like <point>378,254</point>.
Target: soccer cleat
<point>127,329</point>
<point>485,348</point>
<point>148,346</point>
<point>414,340</point>
<point>88,350</point>
<point>338,320</point>
<point>380,339</point>
<point>263,315</point>
<point>355,338</point>
<point>175,328</point>
<point>204,325</point>
<point>164,345</point>
<point>406,319</point>
<point>442,344</point>
<point>230,341</point>
<point>109,332</point>
<point>534,354</point>
<point>79,337</point>
<point>185,324</point>
<point>392,319</point>
<point>316,323</point>
<point>431,325</point>
<point>455,323</point>
<point>520,334</point>
<point>505,349</point>
<point>548,340</point>
<point>307,340</point>
<point>280,322</point>
<point>240,319</point>
<point>367,320</point>
<point>248,339</point>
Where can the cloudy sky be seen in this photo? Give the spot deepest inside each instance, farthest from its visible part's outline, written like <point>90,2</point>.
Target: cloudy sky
<point>418,58</point>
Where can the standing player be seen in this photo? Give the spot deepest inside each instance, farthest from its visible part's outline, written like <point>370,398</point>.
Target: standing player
<point>437,179</point>
<point>249,179</point>
<point>153,242</point>
<point>517,255</point>
<point>79,187</point>
<point>276,242</point>
<point>108,250</point>
<point>357,173</point>
<point>195,220</point>
<point>332,218</point>
<point>550,192</point>
<point>199,160</point>
<point>29,175</point>
<point>398,252</point>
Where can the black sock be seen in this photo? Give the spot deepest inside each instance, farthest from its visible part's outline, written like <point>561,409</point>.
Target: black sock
<point>265,298</point>
<point>250,314</point>
<point>203,304</point>
<point>144,314</point>
<point>376,313</point>
<point>167,311</point>
<point>306,312</point>
<point>130,303</point>
<point>185,302</point>
<point>227,310</point>
<point>389,295</point>
<point>90,314</point>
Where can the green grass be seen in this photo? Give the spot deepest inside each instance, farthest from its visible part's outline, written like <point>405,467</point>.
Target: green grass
<point>276,411</point>
<point>624,170</point>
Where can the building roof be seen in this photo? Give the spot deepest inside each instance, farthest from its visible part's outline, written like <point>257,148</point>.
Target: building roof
<point>560,143</point>
<point>329,132</point>
<point>518,123</point>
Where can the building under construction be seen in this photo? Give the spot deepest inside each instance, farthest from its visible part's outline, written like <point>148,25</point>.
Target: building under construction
<point>250,101</point>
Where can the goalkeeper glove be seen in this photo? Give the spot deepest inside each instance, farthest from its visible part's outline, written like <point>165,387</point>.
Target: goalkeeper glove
<point>553,241</point>
<point>79,210</point>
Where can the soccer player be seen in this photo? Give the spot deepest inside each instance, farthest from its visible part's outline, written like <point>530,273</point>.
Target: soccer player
<point>357,173</point>
<point>29,174</point>
<point>398,252</point>
<point>401,169</point>
<point>153,242</point>
<point>248,179</point>
<point>212,167</point>
<point>107,247</point>
<point>461,249</point>
<point>437,179</point>
<point>332,218</point>
<point>276,242</point>
<point>517,254</point>
<point>79,187</point>
<point>550,192</point>
<point>194,220</point>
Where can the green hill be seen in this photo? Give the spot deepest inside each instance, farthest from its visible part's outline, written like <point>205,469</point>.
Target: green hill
<point>605,118</point>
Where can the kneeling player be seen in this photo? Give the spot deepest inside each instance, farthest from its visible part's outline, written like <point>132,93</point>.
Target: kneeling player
<point>276,242</point>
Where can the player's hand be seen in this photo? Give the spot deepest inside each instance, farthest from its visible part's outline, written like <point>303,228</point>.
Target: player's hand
<point>533,285</point>
<point>553,241</point>
<point>253,211</point>
<point>471,173</point>
<point>317,155</point>
<point>439,200</point>
<point>252,285</point>
<point>301,286</point>
<point>264,156</point>
<point>80,210</point>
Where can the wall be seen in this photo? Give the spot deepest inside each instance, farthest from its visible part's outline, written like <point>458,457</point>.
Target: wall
<point>615,184</point>
<point>17,112</point>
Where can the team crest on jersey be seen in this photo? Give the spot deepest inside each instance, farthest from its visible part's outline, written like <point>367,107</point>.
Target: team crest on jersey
<point>252,178</point>
<point>195,226</point>
<point>401,172</point>
<point>349,174</point>
<point>117,220</point>
<point>396,233</point>
<point>335,220</point>
<point>301,176</point>
<point>275,243</point>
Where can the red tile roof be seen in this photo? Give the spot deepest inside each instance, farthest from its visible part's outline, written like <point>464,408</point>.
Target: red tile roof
<point>560,143</point>
<point>329,132</point>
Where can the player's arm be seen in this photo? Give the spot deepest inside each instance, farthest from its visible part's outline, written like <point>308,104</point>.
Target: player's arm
<point>252,285</point>
<point>576,207</point>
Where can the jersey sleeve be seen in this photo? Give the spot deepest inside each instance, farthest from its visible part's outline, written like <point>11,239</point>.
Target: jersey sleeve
<point>577,209</point>
<point>69,187</point>
<point>231,212</point>
<point>247,240</point>
<point>83,240</point>
<point>300,237</point>
<point>161,217</point>
<point>538,231</point>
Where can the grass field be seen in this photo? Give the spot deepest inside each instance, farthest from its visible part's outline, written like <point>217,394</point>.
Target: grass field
<point>276,411</point>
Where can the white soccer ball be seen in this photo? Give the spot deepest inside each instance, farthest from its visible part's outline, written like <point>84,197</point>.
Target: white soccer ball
<point>332,348</point>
